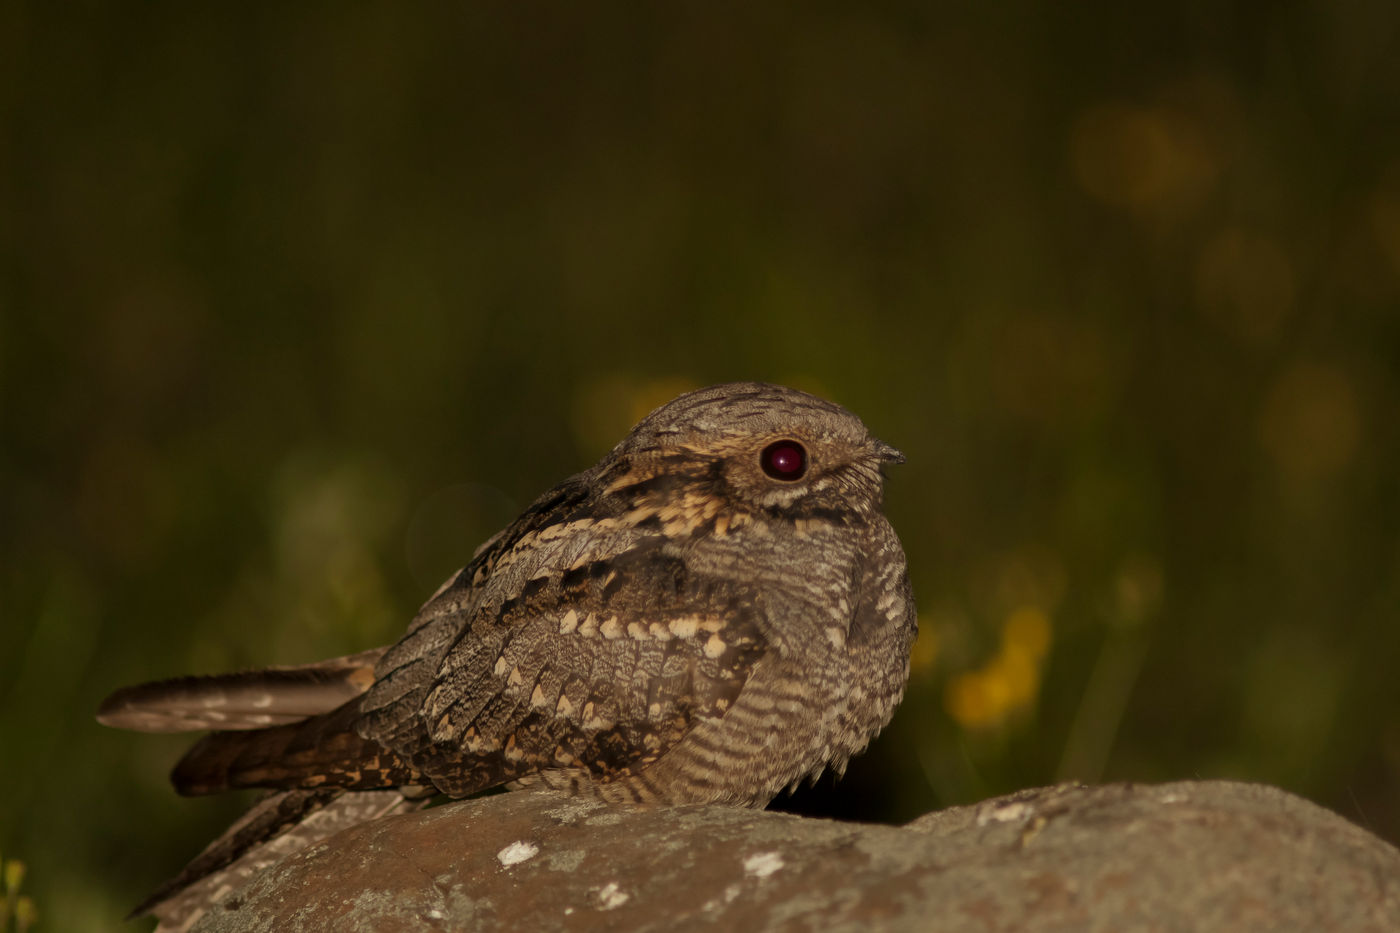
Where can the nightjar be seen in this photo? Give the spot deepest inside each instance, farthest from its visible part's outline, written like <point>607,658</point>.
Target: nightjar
<point>714,611</point>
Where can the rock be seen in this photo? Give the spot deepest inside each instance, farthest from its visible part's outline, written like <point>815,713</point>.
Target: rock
<point>1198,856</point>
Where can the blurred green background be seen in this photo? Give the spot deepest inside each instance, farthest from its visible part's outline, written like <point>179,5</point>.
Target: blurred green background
<point>301,302</point>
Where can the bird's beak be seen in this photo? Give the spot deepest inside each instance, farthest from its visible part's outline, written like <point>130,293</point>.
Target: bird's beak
<point>885,453</point>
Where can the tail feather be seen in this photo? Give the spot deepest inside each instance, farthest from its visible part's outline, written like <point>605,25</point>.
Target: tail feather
<point>248,700</point>
<point>288,728</point>
<point>323,751</point>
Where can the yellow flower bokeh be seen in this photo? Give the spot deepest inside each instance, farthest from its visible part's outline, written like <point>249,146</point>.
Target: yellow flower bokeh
<point>1008,684</point>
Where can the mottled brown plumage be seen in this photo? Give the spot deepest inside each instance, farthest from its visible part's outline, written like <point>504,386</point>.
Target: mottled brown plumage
<point>713,612</point>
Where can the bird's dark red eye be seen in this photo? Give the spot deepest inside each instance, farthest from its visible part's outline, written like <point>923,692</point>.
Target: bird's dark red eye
<point>785,460</point>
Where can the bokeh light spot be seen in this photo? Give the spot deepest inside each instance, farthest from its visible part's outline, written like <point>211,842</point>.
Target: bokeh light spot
<point>1310,424</point>
<point>1007,685</point>
<point>1026,633</point>
<point>1245,283</point>
<point>1146,160</point>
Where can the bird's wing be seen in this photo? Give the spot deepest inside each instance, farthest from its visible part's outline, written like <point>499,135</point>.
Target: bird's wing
<point>588,641</point>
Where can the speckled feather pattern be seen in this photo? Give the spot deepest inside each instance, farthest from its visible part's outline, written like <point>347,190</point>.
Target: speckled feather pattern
<point>672,625</point>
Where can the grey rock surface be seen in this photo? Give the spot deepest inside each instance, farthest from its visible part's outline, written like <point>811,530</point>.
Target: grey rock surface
<point>1197,856</point>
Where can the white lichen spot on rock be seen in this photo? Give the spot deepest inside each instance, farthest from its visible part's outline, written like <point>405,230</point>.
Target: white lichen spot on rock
<point>1006,813</point>
<point>517,852</point>
<point>763,864</point>
<point>730,893</point>
<point>612,896</point>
